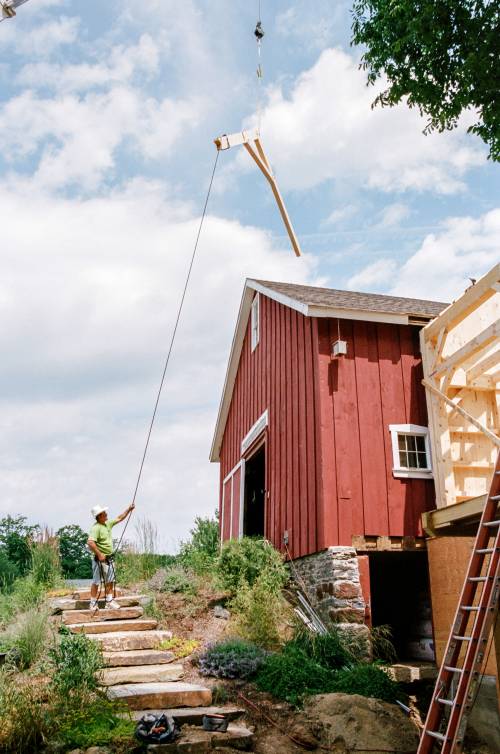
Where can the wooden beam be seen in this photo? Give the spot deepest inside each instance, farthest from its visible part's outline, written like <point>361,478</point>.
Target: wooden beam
<point>481,367</point>
<point>494,438</point>
<point>443,518</point>
<point>474,345</point>
<point>470,300</point>
<point>251,141</point>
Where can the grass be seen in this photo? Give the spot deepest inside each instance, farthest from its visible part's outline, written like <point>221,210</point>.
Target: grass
<point>27,637</point>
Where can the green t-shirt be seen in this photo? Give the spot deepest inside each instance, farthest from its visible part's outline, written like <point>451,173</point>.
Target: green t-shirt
<point>101,535</point>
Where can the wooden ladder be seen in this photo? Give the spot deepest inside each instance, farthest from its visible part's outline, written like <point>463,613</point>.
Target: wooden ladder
<point>460,674</point>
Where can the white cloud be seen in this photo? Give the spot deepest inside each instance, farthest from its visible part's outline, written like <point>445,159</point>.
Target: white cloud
<point>374,276</point>
<point>393,215</point>
<point>43,40</point>
<point>312,26</point>
<point>441,268</point>
<point>326,130</point>
<point>340,214</point>
<point>88,295</point>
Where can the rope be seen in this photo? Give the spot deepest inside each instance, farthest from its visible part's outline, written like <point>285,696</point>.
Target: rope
<point>167,360</point>
<point>259,34</point>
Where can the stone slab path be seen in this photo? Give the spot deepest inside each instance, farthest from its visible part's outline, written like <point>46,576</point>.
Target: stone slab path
<point>144,675</point>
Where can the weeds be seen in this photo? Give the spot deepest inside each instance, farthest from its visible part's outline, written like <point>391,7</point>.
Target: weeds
<point>152,609</point>
<point>367,680</point>
<point>27,637</point>
<point>382,646</point>
<point>45,561</point>
<point>24,724</point>
<point>291,675</point>
<point>75,660</point>
<point>328,650</point>
<point>243,561</point>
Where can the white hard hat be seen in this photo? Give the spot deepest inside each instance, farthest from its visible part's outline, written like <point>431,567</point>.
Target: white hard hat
<point>96,510</point>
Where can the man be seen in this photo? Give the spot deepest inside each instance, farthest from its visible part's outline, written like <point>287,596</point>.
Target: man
<point>100,541</point>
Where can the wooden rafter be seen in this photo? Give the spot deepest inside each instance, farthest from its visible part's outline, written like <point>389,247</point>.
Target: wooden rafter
<point>481,367</point>
<point>252,143</point>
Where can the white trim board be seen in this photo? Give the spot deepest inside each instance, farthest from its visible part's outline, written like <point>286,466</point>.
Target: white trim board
<point>252,435</point>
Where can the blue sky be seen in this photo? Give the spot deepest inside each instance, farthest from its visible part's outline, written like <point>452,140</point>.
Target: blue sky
<point>108,112</point>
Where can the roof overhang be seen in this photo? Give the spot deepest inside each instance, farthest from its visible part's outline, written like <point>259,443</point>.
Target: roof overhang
<point>308,310</point>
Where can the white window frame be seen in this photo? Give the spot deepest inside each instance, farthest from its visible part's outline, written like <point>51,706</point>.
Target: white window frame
<point>255,322</point>
<point>410,473</point>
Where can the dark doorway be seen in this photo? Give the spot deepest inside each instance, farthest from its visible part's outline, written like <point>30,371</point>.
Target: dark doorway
<point>400,598</point>
<point>255,494</point>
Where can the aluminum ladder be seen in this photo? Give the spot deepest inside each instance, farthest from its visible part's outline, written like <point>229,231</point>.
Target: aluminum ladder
<point>460,674</point>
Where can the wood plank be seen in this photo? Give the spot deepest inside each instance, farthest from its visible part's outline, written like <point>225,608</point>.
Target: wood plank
<point>374,483</point>
<point>462,412</point>
<point>491,361</point>
<point>303,502</point>
<point>294,409</point>
<point>286,524</point>
<point>473,346</point>
<point>467,303</point>
<point>295,538</point>
<point>312,467</point>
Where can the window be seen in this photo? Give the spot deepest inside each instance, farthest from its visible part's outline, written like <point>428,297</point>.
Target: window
<point>255,322</point>
<point>410,451</point>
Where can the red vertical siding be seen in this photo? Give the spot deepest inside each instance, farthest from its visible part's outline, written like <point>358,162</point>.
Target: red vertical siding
<point>328,448</point>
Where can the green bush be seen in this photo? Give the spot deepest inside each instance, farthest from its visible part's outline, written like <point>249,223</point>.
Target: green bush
<point>233,658</point>
<point>25,594</point>
<point>328,650</point>
<point>96,722</point>
<point>367,680</point>
<point>178,580</point>
<point>28,637</point>
<point>259,612</point>
<point>8,572</point>
<point>292,675</point>
<point>199,554</point>
<point>242,561</point>
<point>75,660</point>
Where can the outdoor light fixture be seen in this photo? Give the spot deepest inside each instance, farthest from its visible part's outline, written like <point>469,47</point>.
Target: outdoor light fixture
<point>339,348</point>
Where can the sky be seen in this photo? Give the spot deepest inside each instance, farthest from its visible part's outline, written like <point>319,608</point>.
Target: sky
<point>108,111</point>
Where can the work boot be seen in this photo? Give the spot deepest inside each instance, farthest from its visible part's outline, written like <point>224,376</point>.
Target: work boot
<point>111,604</point>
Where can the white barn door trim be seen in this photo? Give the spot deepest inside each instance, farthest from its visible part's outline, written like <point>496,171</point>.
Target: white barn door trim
<point>230,476</point>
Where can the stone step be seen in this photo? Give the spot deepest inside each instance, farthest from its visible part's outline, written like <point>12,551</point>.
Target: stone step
<point>104,626</point>
<point>123,641</point>
<point>137,657</point>
<point>192,715</point>
<point>63,604</point>
<point>194,740</point>
<point>140,674</point>
<point>88,616</point>
<point>84,594</point>
<point>145,696</point>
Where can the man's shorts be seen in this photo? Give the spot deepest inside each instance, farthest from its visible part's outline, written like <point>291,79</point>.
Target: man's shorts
<point>102,571</point>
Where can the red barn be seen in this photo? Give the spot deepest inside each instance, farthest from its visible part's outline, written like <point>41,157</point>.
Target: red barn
<point>323,444</point>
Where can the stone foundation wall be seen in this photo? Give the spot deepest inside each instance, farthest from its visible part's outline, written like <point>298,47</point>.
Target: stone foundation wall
<point>332,582</point>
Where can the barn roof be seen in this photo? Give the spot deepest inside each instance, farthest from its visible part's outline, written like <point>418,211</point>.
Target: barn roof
<point>312,301</point>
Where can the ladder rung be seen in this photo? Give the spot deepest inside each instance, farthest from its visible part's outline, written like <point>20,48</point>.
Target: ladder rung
<point>461,638</point>
<point>433,734</point>
<point>491,523</point>
<point>448,702</point>
<point>486,550</point>
<point>495,497</point>
<point>478,578</point>
<point>469,609</point>
<point>453,670</point>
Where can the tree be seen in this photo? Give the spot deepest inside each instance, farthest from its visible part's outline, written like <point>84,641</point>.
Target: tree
<point>75,558</point>
<point>15,538</point>
<point>442,55</point>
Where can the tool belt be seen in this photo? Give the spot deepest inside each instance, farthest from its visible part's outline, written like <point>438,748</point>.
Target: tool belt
<point>109,559</point>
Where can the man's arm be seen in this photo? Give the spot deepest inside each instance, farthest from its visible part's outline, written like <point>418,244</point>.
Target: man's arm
<point>95,550</point>
<point>124,515</point>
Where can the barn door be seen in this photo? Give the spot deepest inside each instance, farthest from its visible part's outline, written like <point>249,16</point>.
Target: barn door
<point>231,504</point>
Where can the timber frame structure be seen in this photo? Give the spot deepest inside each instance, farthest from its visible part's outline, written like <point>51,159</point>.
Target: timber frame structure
<point>461,359</point>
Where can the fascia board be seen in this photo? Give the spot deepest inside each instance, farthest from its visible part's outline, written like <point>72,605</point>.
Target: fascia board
<point>358,314</point>
<point>280,297</point>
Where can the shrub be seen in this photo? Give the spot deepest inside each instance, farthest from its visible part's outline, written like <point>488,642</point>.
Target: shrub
<point>25,594</point>
<point>180,647</point>
<point>8,572</point>
<point>28,637</point>
<point>24,726</point>
<point>200,552</point>
<point>291,675</point>
<point>76,660</point>
<point>177,579</point>
<point>242,561</point>
<point>45,562</point>
<point>367,680</point>
<point>233,658</point>
<point>328,650</point>
<point>96,722</point>
<point>260,612</point>
<point>152,609</point>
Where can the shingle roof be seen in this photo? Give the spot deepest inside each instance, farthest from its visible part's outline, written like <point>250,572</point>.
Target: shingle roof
<point>373,302</point>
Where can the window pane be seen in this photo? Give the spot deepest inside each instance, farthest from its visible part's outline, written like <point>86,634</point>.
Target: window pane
<point>402,442</point>
<point>411,442</point>
<point>420,440</point>
<point>403,462</point>
<point>412,460</point>
<point>422,460</point>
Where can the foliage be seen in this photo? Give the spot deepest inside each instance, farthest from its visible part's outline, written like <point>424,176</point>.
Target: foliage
<point>180,647</point>
<point>441,55</point>
<point>382,644</point>
<point>133,567</point>
<point>73,552</point>
<point>97,722</point>
<point>152,609</point>
<point>24,724</point>
<point>27,637</point>
<point>200,552</point>
<point>15,538</point>
<point>26,593</point>
<point>177,579</point>
<point>148,546</point>
<point>233,658</point>
<point>367,680</point>
<point>291,675</point>
<point>328,650</point>
<point>260,612</point>
<point>75,660</point>
<point>242,561</point>
<point>8,572</point>
<point>45,563</point>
